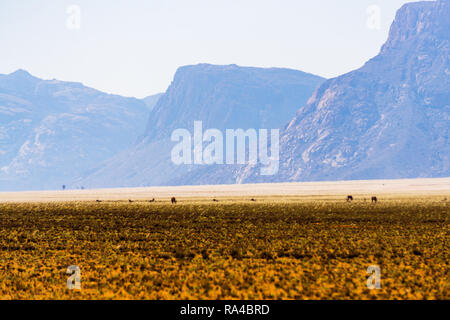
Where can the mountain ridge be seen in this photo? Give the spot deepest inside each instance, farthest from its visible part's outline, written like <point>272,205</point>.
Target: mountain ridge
<point>52,130</point>
<point>221,96</point>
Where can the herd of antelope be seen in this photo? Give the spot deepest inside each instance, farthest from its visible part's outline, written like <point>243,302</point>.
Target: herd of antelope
<point>350,199</point>
<point>173,200</point>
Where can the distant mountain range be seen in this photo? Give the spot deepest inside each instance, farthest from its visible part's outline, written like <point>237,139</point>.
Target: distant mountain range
<point>388,119</point>
<point>52,131</point>
<point>222,97</point>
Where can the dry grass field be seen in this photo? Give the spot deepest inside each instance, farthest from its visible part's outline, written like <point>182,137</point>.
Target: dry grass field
<point>276,247</point>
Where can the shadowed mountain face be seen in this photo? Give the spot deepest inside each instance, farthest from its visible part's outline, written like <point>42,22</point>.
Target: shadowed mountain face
<point>388,119</point>
<point>222,97</point>
<point>52,131</point>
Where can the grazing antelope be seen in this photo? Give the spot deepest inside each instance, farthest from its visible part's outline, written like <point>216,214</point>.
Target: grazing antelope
<point>130,201</point>
<point>153,200</point>
<point>173,200</point>
<point>349,198</point>
<point>215,200</point>
<point>252,199</point>
<point>98,200</point>
<point>374,199</point>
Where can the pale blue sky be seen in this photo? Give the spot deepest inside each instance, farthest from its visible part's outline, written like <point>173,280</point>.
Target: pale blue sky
<point>133,47</point>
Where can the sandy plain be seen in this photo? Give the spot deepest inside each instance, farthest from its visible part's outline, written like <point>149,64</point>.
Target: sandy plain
<point>361,189</point>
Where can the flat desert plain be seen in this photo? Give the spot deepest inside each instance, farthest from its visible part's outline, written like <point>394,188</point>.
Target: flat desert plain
<point>365,188</point>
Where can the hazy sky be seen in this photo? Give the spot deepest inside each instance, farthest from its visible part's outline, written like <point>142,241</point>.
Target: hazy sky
<point>133,47</point>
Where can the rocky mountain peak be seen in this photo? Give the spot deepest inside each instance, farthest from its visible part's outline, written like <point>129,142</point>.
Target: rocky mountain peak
<point>419,21</point>
<point>21,73</point>
<point>388,119</point>
<point>230,96</point>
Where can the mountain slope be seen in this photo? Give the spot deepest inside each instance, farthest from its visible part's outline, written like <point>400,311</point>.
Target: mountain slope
<point>51,131</point>
<point>221,97</point>
<point>152,100</point>
<point>388,119</point>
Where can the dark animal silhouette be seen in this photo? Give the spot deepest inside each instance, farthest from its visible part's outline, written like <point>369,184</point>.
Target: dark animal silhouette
<point>153,200</point>
<point>215,200</point>
<point>252,199</point>
<point>349,198</point>
<point>130,201</point>
<point>374,199</point>
<point>64,187</point>
<point>173,200</point>
<point>98,200</point>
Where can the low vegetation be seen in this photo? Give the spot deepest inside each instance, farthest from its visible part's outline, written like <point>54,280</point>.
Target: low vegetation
<point>269,248</point>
